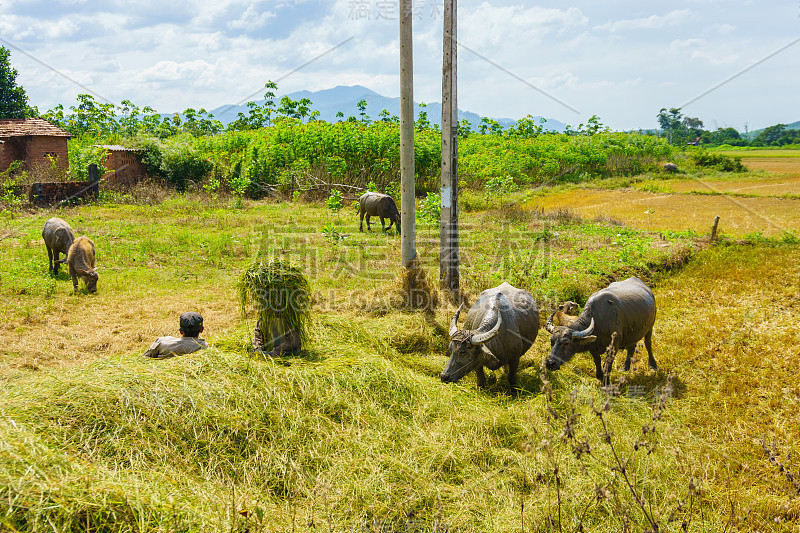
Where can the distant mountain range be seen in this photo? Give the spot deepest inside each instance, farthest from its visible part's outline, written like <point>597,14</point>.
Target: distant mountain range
<point>345,99</point>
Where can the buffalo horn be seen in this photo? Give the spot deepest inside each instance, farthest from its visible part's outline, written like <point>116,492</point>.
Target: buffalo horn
<point>584,333</point>
<point>549,325</point>
<point>453,326</point>
<point>480,338</point>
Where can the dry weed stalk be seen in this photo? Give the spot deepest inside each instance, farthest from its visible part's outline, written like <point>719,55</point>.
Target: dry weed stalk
<point>615,463</point>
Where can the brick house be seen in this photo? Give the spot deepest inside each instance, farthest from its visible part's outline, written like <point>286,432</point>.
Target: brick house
<point>32,140</point>
<point>124,164</point>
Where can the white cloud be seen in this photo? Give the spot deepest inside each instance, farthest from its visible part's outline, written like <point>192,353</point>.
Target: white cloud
<point>174,71</point>
<point>491,24</point>
<point>623,60</point>
<point>673,18</point>
<point>251,19</point>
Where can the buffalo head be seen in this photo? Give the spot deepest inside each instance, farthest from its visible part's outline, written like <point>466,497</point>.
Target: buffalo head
<point>566,342</point>
<point>468,350</point>
<point>90,277</point>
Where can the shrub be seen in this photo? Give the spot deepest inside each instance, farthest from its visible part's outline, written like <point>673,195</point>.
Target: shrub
<point>430,209</point>
<point>719,161</point>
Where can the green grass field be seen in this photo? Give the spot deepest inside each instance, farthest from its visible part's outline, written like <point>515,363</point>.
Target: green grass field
<point>358,433</point>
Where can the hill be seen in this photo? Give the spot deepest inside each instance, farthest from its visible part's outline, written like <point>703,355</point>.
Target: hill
<point>345,99</point>
<point>753,134</point>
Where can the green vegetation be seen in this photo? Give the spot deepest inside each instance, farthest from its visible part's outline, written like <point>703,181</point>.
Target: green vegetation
<point>13,100</point>
<point>280,146</point>
<point>718,161</point>
<point>681,130</point>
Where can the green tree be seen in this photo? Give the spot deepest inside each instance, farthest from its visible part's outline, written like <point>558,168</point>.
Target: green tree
<point>776,135</point>
<point>362,111</point>
<point>422,122</point>
<point>93,117</point>
<point>677,128</point>
<point>13,100</point>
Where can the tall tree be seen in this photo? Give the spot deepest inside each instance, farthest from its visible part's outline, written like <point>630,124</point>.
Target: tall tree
<point>13,100</point>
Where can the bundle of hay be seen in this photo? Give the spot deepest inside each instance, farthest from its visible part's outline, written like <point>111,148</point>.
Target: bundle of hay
<point>278,292</point>
<point>415,291</point>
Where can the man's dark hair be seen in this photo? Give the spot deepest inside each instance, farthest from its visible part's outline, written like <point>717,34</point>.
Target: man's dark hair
<point>191,324</point>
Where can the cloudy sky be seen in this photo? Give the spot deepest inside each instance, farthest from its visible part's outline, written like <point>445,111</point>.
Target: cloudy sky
<point>730,63</point>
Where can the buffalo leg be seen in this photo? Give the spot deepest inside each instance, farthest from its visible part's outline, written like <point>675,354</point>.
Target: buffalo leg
<point>598,363</point>
<point>361,216</point>
<point>628,357</point>
<point>513,366</point>
<point>479,373</point>
<point>383,225</point>
<point>648,345</point>
<point>50,259</point>
<point>368,222</point>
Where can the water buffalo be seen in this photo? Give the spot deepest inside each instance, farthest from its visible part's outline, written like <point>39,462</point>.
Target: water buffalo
<point>80,260</point>
<point>566,314</point>
<point>499,329</point>
<point>626,307</point>
<point>375,204</point>
<point>58,237</point>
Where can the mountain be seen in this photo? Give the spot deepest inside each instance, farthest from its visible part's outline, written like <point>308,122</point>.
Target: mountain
<point>345,99</point>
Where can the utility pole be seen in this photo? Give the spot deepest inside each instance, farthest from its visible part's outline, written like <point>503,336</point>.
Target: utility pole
<point>408,247</point>
<point>448,240</point>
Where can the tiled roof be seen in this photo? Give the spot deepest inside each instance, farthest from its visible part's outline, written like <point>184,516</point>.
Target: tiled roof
<point>116,148</point>
<point>21,127</point>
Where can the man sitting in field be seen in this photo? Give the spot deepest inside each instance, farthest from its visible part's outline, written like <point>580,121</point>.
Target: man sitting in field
<point>191,325</point>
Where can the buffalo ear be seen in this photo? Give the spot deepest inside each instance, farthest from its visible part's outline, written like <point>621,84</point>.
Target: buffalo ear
<point>587,340</point>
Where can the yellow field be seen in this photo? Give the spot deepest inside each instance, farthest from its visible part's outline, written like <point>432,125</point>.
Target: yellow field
<point>747,154</point>
<point>680,212</point>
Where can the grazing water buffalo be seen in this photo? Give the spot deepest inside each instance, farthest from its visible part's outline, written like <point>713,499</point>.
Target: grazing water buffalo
<point>566,314</point>
<point>80,260</point>
<point>626,307</point>
<point>375,204</point>
<point>58,237</point>
<point>499,328</point>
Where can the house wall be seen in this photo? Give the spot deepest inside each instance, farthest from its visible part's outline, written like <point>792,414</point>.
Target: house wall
<point>39,147</point>
<point>126,167</point>
<point>34,151</point>
<point>13,150</point>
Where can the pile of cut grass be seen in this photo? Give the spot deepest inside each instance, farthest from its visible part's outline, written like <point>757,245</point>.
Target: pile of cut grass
<point>346,438</point>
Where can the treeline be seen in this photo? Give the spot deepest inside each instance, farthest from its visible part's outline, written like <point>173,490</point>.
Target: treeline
<point>282,142</point>
<point>681,130</point>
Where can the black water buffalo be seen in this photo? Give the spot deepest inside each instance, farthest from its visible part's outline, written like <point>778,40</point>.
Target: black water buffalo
<point>375,204</point>
<point>499,329</point>
<point>626,307</point>
<point>58,237</point>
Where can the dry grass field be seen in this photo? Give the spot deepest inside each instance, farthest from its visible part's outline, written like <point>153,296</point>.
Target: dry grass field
<point>764,200</point>
<point>358,433</point>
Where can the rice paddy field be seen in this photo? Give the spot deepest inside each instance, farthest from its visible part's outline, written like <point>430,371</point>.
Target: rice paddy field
<point>357,433</point>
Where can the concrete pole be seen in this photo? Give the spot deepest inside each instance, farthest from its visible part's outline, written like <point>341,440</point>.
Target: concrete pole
<point>408,247</point>
<point>448,241</point>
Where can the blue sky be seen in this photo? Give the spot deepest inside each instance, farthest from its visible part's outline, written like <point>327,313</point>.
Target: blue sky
<point>619,59</point>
